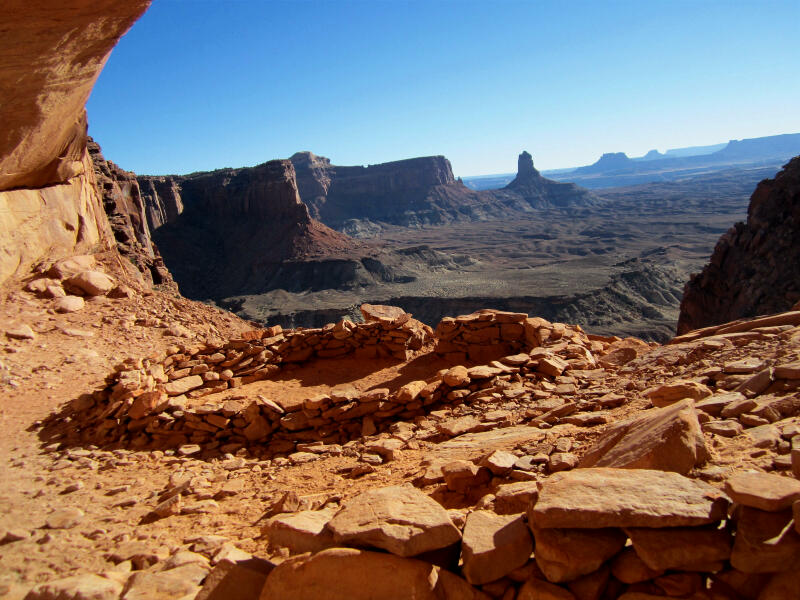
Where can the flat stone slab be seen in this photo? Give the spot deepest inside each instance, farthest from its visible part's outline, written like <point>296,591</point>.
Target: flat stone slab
<point>764,491</point>
<point>681,548</point>
<point>606,497</point>
<point>399,519</point>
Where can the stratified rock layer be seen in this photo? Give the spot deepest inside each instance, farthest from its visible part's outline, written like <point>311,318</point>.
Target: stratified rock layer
<point>755,267</point>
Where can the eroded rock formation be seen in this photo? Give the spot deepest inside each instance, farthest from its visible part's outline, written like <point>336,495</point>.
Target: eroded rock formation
<point>419,191</point>
<point>755,266</point>
<point>541,192</point>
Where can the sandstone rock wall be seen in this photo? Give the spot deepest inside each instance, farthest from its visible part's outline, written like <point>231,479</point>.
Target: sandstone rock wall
<point>52,222</point>
<point>50,56</point>
<point>755,267</point>
<point>162,199</point>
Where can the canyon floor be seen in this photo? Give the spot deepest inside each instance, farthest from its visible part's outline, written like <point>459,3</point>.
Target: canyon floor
<point>618,268</point>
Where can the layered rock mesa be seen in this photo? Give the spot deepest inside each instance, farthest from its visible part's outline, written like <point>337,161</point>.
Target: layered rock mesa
<point>50,56</point>
<point>419,191</point>
<point>243,231</point>
<point>755,267</point>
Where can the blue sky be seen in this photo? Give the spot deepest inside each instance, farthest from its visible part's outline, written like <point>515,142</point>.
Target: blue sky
<point>204,84</point>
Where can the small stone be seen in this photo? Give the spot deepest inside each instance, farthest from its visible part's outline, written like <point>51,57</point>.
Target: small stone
<point>537,589</point>
<point>181,386</point>
<point>462,475</point>
<point>552,366</point>
<point>170,506</point>
<point>629,568</point>
<point>78,587</point>
<point>230,553</point>
<point>458,376</point>
<point>514,498</point>
<point>562,461</point>
<point>737,407</point>
<point>68,304</point>
<point>670,393</point>
<point>199,508</point>
<point>189,449</point>
<point>66,518</point>
<point>765,542</point>
<point>300,532</point>
<point>21,332</point>
<point>724,428</point>
<point>15,535</point>
<point>498,462</point>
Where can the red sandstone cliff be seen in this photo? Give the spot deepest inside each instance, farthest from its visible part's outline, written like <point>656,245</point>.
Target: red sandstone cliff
<point>755,267</point>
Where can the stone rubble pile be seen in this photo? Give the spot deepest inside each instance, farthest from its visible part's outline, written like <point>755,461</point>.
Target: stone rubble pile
<point>69,281</point>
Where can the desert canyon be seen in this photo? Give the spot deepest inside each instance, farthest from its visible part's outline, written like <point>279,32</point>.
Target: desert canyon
<point>309,381</point>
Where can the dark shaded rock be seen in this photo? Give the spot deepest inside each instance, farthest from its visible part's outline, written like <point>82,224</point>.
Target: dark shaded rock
<point>754,268</point>
<point>125,209</point>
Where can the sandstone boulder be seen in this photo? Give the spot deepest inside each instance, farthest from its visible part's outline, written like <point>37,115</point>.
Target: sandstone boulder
<point>493,546</point>
<point>399,519</point>
<point>681,548</point>
<point>536,589</point>
<point>457,376</point>
<point>604,497</point>
<point>628,567</point>
<point>765,542</point>
<point>68,304</point>
<point>511,498</point>
<point>566,554</point>
<point>667,439</point>
<point>300,532</point>
<point>348,574</point>
<point>20,332</point>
